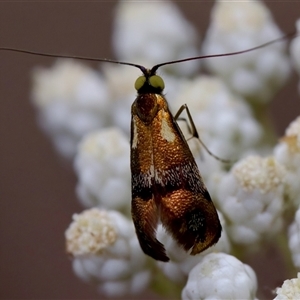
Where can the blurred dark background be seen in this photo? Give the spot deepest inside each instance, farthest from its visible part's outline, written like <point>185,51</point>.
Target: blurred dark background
<point>37,197</point>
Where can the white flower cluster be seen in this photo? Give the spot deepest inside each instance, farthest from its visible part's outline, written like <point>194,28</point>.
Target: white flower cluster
<point>71,100</point>
<point>154,32</point>
<point>106,251</point>
<point>233,130</point>
<point>239,26</point>
<point>290,289</point>
<point>220,276</point>
<point>251,196</point>
<point>91,232</point>
<point>88,117</point>
<point>102,166</point>
<point>287,152</point>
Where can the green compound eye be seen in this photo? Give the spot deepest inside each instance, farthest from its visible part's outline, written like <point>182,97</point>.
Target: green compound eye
<point>139,82</point>
<point>157,82</point>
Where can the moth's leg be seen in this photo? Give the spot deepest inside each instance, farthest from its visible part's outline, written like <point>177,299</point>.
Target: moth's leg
<point>192,128</point>
<point>195,133</point>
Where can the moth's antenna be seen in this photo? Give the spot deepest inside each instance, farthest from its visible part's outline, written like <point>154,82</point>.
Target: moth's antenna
<point>143,69</point>
<point>289,35</point>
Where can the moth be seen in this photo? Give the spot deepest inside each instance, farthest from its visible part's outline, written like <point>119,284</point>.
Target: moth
<point>166,184</point>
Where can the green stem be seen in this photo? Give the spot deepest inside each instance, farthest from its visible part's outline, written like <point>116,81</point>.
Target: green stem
<point>261,114</point>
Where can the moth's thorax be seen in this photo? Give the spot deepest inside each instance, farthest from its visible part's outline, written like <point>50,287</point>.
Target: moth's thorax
<point>155,139</point>
<point>146,106</point>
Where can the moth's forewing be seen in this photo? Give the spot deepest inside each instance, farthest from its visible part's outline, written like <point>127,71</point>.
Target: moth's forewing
<point>186,209</point>
<point>144,210</point>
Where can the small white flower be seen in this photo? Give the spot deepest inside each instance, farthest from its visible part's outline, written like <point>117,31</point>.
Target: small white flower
<point>71,100</point>
<point>102,167</point>
<point>290,289</point>
<point>154,31</point>
<point>287,152</point>
<point>181,262</point>
<point>294,239</point>
<point>251,198</point>
<point>107,253</point>
<point>240,25</point>
<point>220,276</point>
<point>90,232</point>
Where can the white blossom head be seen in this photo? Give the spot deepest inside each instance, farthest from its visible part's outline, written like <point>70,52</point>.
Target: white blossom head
<point>107,253</point>
<point>102,167</point>
<point>224,121</point>
<point>287,152</point>
<point>291,139</point>
<point>91,232</point>
<point>71,100</point>
<point>240,25</point>
<point>289,290</point>
<point>154,31</point>
<point>220,276</point>
<point>251,197</point>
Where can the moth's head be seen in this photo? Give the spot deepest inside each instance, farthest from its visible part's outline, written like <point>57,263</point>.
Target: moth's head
<point>149,82</point>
